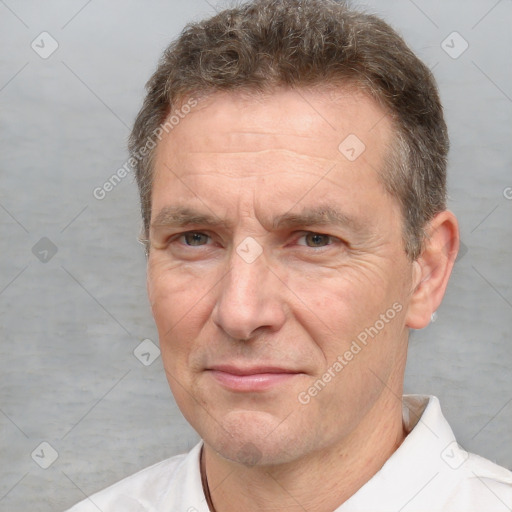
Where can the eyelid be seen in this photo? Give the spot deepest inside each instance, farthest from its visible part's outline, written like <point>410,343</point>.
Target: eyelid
<point>304,232</point>
<point>176,236</point>
<point>297,235</point>
<point>333,239</point>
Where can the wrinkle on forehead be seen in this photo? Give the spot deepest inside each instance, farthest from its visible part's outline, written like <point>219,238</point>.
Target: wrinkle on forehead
<point>278,148</point>
<point>243,143</point>
<point>230,119</point>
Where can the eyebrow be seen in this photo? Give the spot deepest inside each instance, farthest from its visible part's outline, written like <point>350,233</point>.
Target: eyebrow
<point>178,216</point>
<point>323,215</point>
<point>317,216</point>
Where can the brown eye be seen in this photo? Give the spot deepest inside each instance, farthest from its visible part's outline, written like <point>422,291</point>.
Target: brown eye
<point>194,238</point>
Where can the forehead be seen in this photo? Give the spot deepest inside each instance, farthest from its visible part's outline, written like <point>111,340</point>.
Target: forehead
<point>305,116</point>
<point>283,140</point>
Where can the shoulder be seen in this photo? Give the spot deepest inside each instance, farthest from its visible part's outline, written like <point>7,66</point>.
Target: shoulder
<point>431,472</point>
<point>461,480</point>
<point>137,492</point>
<point>482,484</point>
<point>471,481</point>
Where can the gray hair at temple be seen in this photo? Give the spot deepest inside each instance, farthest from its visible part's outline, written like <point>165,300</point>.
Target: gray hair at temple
<point>259,45</point>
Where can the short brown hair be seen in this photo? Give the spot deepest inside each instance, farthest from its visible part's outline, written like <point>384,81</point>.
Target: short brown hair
<point>299,43</point>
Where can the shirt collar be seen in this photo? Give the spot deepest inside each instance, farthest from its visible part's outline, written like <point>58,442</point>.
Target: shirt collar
<point>415,468</point>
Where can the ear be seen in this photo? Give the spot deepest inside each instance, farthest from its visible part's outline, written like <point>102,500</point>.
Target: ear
<point>432,269</point>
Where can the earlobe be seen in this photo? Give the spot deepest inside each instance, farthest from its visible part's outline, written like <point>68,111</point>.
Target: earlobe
<point>432,269</point>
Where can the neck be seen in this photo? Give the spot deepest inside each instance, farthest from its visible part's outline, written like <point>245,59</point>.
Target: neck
<point>317,482</point>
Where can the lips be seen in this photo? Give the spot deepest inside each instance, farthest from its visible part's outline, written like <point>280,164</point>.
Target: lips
<point>251,379</point>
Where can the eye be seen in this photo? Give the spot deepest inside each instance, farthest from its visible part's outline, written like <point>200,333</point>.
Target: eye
<point>316,240</point>
<point>194,238</point>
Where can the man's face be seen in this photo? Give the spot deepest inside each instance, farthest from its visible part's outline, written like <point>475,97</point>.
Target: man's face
<point>271,252</point>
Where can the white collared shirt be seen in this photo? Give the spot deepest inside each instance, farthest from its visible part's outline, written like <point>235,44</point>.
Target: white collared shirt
<point>428,472</point>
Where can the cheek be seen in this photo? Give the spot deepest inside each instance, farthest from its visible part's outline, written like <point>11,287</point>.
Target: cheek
<point>345,306</point>
<point>174,291</point>
<point>341,299</point>
<point>180,304</point>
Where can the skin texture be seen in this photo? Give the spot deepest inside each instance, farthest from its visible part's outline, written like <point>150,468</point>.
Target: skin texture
<point>234,167</point>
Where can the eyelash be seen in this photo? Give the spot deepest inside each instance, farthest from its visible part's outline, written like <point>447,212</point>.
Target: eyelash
<point>331,238</point>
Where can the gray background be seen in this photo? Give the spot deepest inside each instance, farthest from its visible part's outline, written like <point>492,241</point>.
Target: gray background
<point>70,325</point>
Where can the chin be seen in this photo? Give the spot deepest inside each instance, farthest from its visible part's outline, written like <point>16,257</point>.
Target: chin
<point>254,438</point>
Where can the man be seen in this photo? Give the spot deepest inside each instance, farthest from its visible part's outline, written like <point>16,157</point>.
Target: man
<point>291,161</point>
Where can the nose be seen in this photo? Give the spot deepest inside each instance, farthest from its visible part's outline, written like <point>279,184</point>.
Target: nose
<point>250,299</point>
